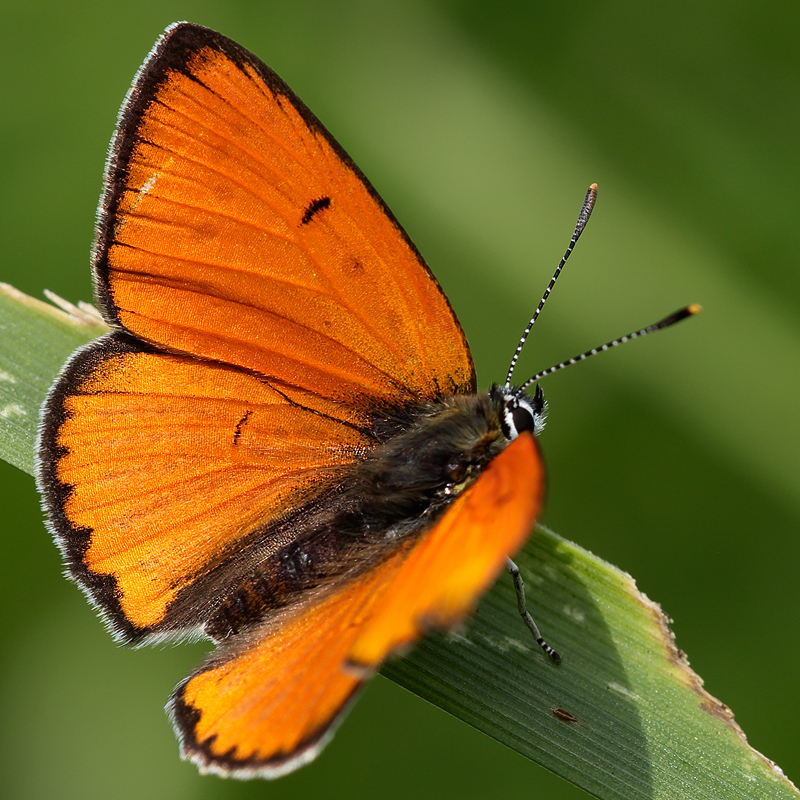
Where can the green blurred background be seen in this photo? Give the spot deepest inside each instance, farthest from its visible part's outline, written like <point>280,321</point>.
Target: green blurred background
<point>677,459</point>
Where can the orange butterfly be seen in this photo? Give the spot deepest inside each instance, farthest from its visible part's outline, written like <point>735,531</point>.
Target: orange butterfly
<point>280,445</point>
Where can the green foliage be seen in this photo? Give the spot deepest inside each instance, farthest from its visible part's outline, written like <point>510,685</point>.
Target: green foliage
<point>37,339</point>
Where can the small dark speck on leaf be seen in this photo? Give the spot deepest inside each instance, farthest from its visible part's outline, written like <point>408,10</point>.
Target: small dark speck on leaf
<point>564,716</point>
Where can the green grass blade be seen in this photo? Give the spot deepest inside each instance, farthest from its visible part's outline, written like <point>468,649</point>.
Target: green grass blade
<point>622,717</point>
<point>638,723</point>
<point>36,339</point>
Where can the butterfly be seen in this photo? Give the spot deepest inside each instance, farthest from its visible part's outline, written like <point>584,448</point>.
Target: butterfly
<point>280,445</point>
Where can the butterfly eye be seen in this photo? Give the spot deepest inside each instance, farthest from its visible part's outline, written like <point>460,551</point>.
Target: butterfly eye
<point>518,416</point>
<point>523,419</point>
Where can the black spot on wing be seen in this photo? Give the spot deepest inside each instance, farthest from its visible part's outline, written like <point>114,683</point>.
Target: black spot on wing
<point>240,424</point>
<point>314,207</point>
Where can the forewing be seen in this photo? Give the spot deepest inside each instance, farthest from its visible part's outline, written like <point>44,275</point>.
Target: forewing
<point>156,467</point>
<point>460,557</point>
<point>235,228</point>
<point>268,700</point>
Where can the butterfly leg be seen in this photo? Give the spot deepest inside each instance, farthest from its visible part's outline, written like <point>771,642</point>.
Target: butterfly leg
<point>519,588</point>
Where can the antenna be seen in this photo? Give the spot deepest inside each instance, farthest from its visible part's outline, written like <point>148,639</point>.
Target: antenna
<point>583,218</point>
<point>682,313</point>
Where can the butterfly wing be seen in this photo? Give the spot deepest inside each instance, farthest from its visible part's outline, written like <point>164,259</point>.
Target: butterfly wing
<point>156,468</point>
<point>235,228</point>
<point>283,303</point>
<point>268,701</point>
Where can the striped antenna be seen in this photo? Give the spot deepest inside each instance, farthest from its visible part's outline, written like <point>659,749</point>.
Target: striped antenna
<point>688,311</point>
<point>583,218</point>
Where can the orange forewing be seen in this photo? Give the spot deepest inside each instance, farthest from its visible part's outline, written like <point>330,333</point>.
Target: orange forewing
<point>458,560</point>
<point>268,701</point>
<point>237,229</point>
<point>168,462</point>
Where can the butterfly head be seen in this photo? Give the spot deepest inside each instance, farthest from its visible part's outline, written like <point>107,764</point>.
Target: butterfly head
<point>518,411</point>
